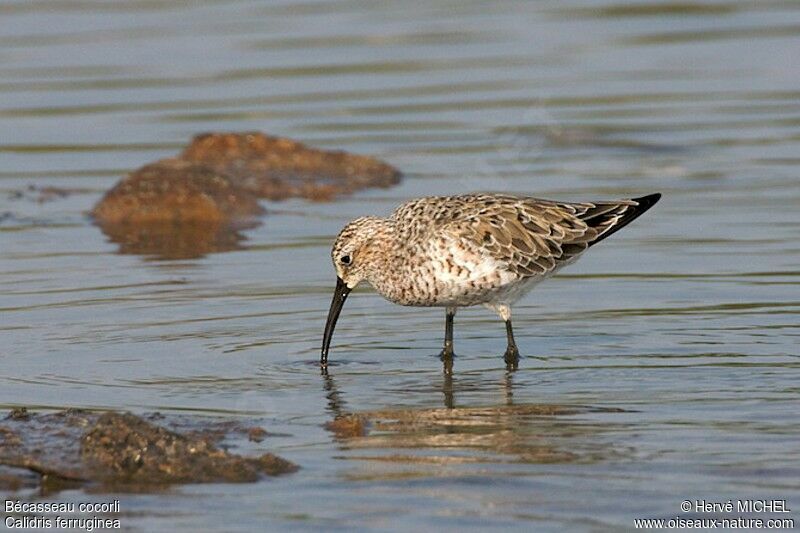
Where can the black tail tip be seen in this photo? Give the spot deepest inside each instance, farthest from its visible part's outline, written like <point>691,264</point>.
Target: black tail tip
<point>646,202</point>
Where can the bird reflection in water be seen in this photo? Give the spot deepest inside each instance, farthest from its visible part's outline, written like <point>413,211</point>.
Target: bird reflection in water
<point>504,433</point>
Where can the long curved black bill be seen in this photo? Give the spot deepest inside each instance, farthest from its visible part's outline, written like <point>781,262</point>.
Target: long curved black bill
<point>339,296</point>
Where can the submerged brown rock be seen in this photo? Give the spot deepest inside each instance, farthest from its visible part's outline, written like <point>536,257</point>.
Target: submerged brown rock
<point>122,451</point>
<point>196,203</point>
<point>13,481</point>
<point>348,425</point>
<point>279,168</point>
<point>174,209</point>
<point>172,191</point>
<point>124,447</point>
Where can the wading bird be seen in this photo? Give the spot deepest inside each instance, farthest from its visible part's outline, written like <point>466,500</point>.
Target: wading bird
<point>455,251</point>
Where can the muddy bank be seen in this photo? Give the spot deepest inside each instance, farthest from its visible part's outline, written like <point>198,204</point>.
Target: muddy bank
<point>122,451</point>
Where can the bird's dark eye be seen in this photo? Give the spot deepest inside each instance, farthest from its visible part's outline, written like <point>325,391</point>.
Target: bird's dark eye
<point>345,259</point>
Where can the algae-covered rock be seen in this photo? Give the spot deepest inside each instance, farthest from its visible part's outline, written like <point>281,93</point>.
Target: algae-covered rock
<point>278,168</point>
<point>124,447</point>
<point>196,203</point>
<point>172,191</point>
<point>122,451</point>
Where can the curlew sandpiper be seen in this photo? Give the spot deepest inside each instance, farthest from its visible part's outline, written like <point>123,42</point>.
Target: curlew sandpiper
<point>455,251</point>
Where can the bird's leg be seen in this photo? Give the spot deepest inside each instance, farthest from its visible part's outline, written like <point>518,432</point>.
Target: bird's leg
<point>447,351</point>
<point>511,356</point>
<point>447,384</point>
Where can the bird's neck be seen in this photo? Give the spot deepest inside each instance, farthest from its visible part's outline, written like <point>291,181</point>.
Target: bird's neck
<point>389,271</point>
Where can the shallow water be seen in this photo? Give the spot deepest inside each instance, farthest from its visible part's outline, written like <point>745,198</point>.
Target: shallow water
<point>663,366</point>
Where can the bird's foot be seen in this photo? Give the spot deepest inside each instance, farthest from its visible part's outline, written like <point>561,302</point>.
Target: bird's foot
<point>511,357</point>
<point>447,353</point>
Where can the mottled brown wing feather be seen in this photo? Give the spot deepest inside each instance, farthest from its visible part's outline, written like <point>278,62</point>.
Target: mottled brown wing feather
<point>531,236</point>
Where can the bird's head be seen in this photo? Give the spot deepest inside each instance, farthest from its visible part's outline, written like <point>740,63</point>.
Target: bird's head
<point>354,251</point>
<point>355,254</point>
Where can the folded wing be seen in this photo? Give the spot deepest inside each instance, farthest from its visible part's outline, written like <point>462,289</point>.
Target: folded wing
<point>531,237</point>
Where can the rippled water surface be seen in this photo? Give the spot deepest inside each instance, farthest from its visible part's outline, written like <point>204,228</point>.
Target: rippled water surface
<point>663,366</point>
